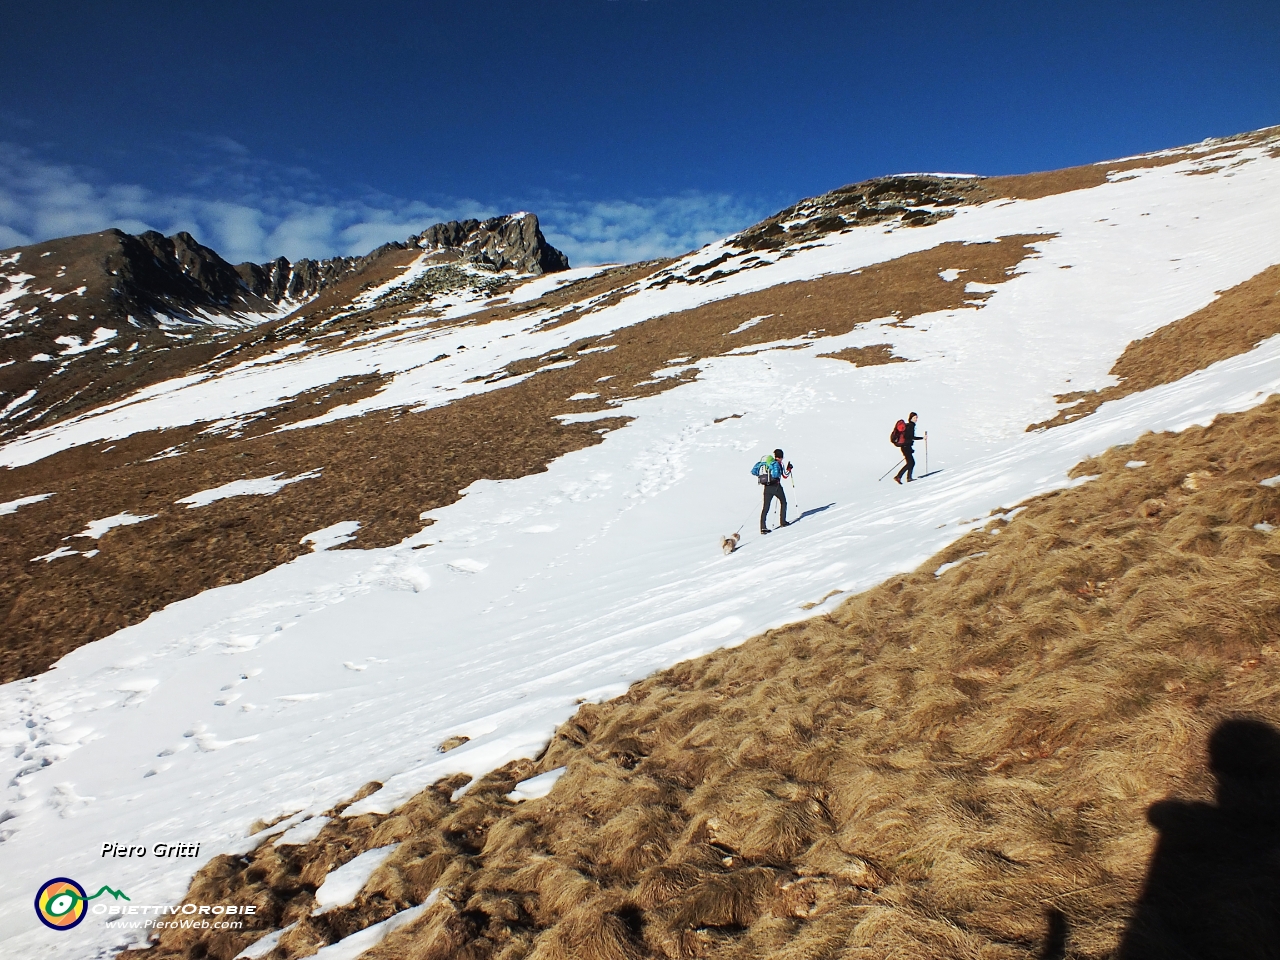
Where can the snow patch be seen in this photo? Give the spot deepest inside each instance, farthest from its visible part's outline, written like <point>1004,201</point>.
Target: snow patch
<point>748,324</point>
<point>353,946</point>
<point>955,563</point>
<point>15,404</point>
<point>537,787</point>
<point>17,286</point>
<point>263,486</point>
<point>14,505</point>
<point>332,535</point>
<point>56,555</point>
<point>344,884</point>
<point>97,528</point>
<point>74,345</point>
<point>264,945</point>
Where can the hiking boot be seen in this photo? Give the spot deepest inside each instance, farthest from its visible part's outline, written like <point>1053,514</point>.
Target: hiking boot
<point>764,529</point>
<point>898,481</point>
<point>783,523</point>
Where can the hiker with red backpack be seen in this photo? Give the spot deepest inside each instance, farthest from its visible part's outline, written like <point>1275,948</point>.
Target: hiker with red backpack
<point>904,437</point>
<point>770,473</point>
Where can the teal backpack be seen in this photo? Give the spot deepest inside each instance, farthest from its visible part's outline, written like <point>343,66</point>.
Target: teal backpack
<point>763,471</point>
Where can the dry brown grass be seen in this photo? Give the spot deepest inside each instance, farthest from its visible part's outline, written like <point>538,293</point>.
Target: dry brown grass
<point>1236,322</point>
<point>945,767</point>
<point>1033,186</point>
<point>870,356</point>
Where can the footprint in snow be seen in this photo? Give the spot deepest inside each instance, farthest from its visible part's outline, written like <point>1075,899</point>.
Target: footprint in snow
<point>66,801</point>
<point>209,742</point>
<point>67,735</point>
<point>137,689</point>
<point>467,565</point>
<point>241,679</point>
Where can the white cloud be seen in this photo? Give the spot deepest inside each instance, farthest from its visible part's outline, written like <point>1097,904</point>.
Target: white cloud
<point>250,209</point>
<point>258,211</point>
<point>622,231</point>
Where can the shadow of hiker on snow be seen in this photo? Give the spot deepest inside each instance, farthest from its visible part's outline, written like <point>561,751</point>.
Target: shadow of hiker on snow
<point>1213,885</point>
<point>812,510</point>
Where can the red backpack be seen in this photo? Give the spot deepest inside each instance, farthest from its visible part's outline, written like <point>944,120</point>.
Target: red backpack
<point>899,428</point>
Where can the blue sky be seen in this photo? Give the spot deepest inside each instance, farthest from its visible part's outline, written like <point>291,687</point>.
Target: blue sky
<point>633,128</point>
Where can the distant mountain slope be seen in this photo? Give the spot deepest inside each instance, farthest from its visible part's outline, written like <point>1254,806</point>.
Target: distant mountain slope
<point>87,319</point>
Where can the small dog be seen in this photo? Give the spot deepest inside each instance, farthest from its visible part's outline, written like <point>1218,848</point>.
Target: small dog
<point>730,543</point>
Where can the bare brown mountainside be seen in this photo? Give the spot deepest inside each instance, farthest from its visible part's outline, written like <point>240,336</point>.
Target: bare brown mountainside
<point>973,760</point>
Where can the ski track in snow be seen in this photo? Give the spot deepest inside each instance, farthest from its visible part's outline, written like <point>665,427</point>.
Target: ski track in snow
<point>284,694</point>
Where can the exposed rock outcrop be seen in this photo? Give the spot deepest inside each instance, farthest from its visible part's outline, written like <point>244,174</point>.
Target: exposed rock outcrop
<point>514,242</point>
<point>918,199</point>
<point>279,280</point>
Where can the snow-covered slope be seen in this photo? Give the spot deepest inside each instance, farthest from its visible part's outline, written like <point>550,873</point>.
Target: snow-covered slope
<point>280,696</point>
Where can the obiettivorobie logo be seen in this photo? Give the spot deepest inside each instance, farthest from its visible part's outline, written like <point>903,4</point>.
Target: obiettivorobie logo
<point>61,903</point>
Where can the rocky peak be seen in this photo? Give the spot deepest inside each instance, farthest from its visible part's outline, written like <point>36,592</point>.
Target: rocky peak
<point>190,273</point>
<point>279,280</point>
<point>514,242</point>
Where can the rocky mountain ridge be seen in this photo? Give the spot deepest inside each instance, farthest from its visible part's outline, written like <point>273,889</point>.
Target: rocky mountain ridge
<point>83,318</point>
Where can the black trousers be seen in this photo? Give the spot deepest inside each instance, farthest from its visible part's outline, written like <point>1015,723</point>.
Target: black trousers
<point>772,490</point>
<point>909,466</point>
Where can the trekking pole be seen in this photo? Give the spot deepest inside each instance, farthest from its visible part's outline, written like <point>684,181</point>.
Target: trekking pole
<point>890,470</point>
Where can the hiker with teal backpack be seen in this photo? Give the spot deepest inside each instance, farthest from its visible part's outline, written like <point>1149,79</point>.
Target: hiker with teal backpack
<point>770,473</point>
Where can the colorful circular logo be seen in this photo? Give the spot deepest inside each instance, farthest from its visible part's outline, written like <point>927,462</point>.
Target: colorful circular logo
<point>60,903</point>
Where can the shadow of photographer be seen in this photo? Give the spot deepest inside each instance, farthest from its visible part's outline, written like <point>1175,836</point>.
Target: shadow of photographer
<point>1213,885</point>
